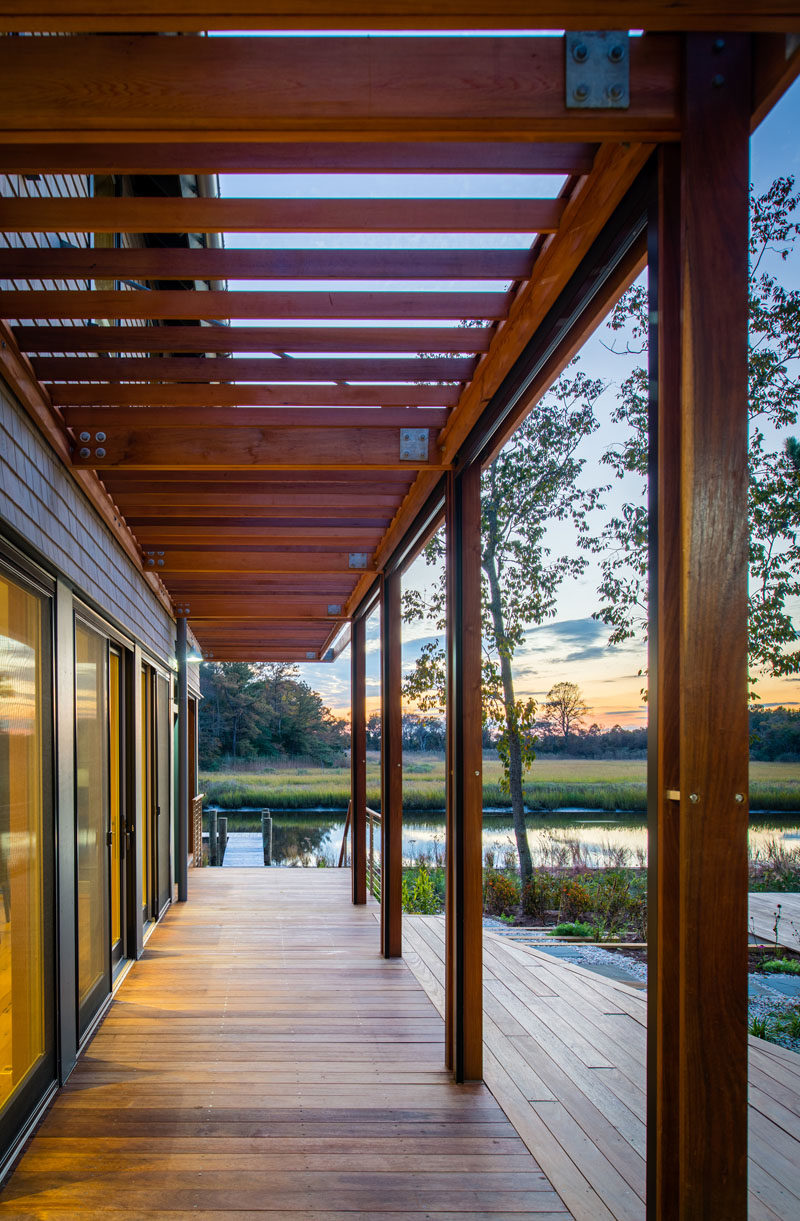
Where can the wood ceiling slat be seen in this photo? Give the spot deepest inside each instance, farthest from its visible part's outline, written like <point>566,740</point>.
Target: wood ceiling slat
<point>213,606</point>
<point>175,303</point>
<point>141,214</point>
<point>187,369</point>
<point>250,339</point>
<point>348,536</point>
<point>278,503</point>
<point>199,15</point>
<point>112,418</point>
<point>286,479</point>
<point>225,395</point>
<point>207,157</point>
<point>402,88</point>
<point>259,560</point>
<point>261,585</point>
<point>285,525</point>
<point>182,263</point>
<point>248,448</point>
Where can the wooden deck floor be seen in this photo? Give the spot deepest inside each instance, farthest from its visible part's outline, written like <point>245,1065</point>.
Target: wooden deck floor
<point>565,1056</point>
<point>263,1060</point>
<point>762,908</point>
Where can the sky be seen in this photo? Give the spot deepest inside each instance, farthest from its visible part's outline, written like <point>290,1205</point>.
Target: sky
<point>572,646</point>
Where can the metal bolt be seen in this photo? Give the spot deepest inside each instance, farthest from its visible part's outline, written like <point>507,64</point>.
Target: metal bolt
<point>85,436</point>
<point>580,52</point>
<point>719,44</point>
<point>580,93</point>
<point>693,797</point>
<point>161,563</point>
<point>616,53</point>
<point>738,798</point>
<point>615,93</point>
<point>84,453</point>
<point>100,436</point>
<point>100,452</point>
<point>151,562</point>
<point>718,80</point>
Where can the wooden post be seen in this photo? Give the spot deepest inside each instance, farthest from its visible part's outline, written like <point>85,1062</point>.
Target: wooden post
<point>183,764</point>
<point>358,759</point>
<point>697,1071</point>
<point>464,909</point>
<point>391,769</point>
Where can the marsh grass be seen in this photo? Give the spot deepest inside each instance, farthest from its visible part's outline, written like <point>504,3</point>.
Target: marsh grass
<point>584,784</point>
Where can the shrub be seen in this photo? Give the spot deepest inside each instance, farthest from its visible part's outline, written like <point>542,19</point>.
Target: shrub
<point>574,899</point>
<point>421,899</point>
<point>540,894</point>
<point>500,894</point>
<point>781,966</point>
<point>576,929</point>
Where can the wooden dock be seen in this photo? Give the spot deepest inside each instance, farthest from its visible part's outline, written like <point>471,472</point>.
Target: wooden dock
<point>262,1060</point>
<point>564,1054</point>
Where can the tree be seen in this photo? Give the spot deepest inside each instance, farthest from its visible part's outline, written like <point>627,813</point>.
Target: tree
<point>565,708</point>
<point>774,460</point>
<point>532,482</point>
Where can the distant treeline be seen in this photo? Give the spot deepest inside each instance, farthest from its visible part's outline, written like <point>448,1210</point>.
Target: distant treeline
<point>264,711</point>
<point>774,737</point>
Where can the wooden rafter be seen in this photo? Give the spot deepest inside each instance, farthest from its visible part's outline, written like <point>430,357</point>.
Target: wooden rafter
<point>372,89</point>
<point>225,395</point>
<point>197,369</point>
<point>174,303</point>
<point>197,15</point>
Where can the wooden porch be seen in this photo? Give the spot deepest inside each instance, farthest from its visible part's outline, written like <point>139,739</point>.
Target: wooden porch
<point>564,1054</point>
<point>262,1058</point>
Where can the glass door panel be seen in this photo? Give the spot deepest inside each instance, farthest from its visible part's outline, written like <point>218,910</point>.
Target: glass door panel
<point>27,1061</point>
<point>92,821</point>
<point>115,799</point>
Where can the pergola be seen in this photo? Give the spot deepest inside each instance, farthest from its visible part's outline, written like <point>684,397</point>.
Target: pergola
<point>273,500</point>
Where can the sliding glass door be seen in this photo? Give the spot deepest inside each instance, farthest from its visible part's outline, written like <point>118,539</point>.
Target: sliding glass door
<point>27,918</point>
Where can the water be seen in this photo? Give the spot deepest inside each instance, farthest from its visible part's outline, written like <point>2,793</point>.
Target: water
<point>306,837</point>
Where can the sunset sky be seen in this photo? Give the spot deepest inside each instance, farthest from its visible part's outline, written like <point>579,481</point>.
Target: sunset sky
<point>573,646</point>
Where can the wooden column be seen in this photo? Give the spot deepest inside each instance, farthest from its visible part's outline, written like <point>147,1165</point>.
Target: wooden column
<point>697,1056</point>
<point>358,759</point>
<point>183,764</point>
<point>391,769</point>
<point>464,908</point>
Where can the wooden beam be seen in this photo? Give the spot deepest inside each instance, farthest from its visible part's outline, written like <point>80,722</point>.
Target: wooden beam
<point>262,559</point>
<point>273,504</point>
<point>208,263</point>
<point>249,448</point>
<point>704,1087</point>
<point>358,760</point>
<point>290,479</point>
<point>226,395</point>
<point>249,606</point>
<point>256,652</point>
<point>391,768</point>
<point>464,910</point>
<point>189,16</point>
<point>111,419</point>
<point>196,368</point>
<point>370,89</point>
<point>218,304</point>
<point>250,339</point>
<point>235,535</point>
<point>231,157</point>
<point>142,214</point>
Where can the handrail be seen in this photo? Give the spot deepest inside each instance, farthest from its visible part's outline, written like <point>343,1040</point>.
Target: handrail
<point>343,850</point>
<point>374,880</point>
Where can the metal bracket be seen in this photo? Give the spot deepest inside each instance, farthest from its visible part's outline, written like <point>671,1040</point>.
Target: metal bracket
<point>414,444</point>
<point>334,608</point>
<point>598,70</point>
<point>357,559</point>
<point>310,655</point>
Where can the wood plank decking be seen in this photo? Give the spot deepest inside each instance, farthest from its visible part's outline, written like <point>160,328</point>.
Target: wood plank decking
<point>564,1055</point>
<point>762,907</point>
<point>263,1060</point>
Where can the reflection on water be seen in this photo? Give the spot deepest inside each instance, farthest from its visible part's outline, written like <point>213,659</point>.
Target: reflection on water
<point>304,838</point>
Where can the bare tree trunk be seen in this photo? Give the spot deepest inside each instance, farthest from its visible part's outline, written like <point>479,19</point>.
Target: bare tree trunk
<point>512,729</point>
